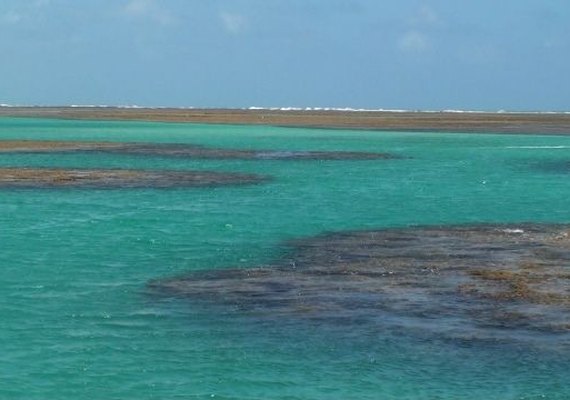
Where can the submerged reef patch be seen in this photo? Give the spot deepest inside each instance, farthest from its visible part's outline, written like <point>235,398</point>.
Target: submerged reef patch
<point>117,178</point>
<point>554,167</point>
<point>482,281</point>
<point>181,150</point>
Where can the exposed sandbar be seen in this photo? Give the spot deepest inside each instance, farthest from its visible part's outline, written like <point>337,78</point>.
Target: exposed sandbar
<point>117,178</point>
<point>483,280</point>
<point>180,150</point>
<point>535,123</point>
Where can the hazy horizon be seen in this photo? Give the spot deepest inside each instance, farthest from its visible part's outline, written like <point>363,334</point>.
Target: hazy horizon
<point>286,108</point>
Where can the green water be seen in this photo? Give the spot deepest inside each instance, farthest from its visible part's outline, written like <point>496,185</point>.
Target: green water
<point>78,323</point>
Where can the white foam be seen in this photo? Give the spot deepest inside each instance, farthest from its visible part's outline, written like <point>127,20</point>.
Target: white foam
<point>89,106</point>
<point>538,147</point>
<point>346,109</point>
<point>519,231</point>
<point>470,112</point>
<point>130,106</point>
<point>397,110</point>
<point>292,108</point>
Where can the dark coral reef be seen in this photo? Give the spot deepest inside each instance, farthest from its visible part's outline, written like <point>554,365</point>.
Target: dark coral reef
<point>460,280</point>
<point>180,150</point>
<point>117,178</point>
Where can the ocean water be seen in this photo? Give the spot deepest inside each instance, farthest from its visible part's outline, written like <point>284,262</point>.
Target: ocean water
<point>77,321</point>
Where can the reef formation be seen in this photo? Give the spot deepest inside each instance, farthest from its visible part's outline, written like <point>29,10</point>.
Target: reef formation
<point>396,120</point>
<point>180,150</point>
<point>118,178</point>
<point>467,281</point>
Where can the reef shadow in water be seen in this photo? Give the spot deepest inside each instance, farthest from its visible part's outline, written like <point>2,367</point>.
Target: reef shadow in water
<point>118,178</point>
<point>484,281</point>
<point>181,150</point>
<point>554,167</point>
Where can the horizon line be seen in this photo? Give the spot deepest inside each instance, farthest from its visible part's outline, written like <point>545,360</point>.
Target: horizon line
<point>287,108</point>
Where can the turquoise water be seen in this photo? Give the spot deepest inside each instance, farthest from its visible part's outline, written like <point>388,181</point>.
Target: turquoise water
<point>77,321</point>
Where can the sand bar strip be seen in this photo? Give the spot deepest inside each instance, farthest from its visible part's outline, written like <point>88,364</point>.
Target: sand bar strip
<point>532,123</point>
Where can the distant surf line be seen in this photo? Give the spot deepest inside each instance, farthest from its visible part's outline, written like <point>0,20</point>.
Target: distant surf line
<point>291,108</point>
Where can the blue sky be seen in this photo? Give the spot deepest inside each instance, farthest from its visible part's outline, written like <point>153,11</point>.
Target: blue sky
<point>432,54</point>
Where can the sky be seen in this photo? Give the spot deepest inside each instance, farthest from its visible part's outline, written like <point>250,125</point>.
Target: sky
<point>492,55</point>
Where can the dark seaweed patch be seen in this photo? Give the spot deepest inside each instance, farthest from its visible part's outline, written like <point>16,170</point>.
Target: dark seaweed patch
<point>453,279</point>
<point>117,178</point>
<point>181,151</point>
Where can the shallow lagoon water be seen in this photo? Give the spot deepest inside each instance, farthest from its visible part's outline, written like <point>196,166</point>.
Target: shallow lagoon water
<point>77,321</point>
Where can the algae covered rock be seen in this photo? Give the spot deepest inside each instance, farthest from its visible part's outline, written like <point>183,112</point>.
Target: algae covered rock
<point>117,178</point>
<point>481,280</point>
<point>180,151</point>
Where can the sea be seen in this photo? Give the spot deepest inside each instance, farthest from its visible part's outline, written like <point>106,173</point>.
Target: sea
<point>77,320</point>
